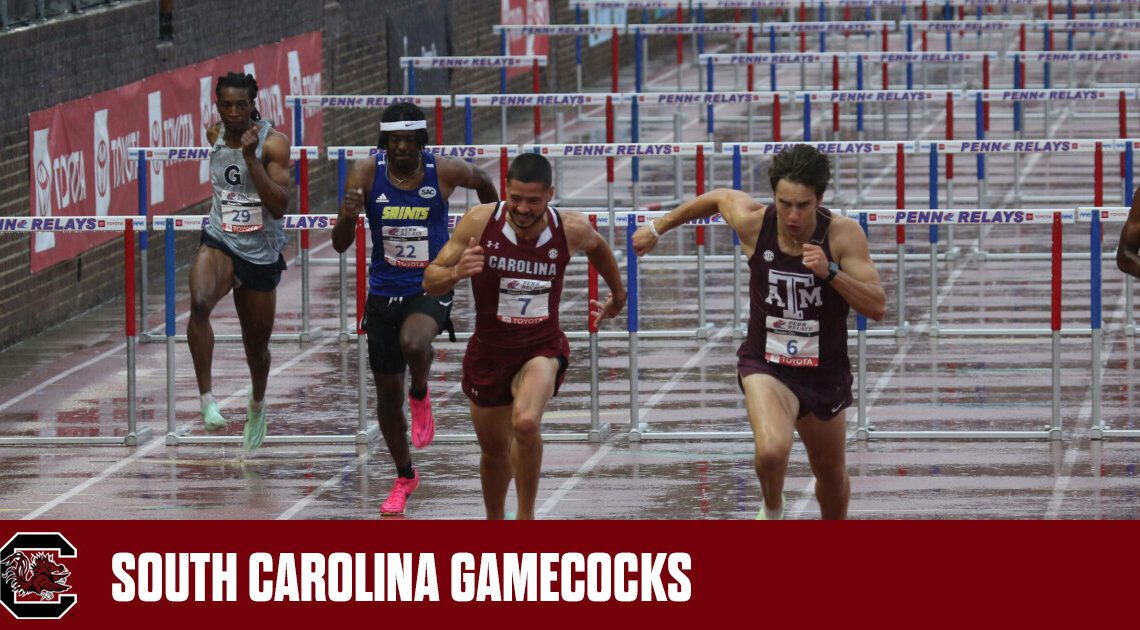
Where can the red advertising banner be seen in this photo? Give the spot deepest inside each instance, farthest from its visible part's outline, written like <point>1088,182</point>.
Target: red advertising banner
<point>640,574</point>
<point>526,12</point>
<point>79,149</point>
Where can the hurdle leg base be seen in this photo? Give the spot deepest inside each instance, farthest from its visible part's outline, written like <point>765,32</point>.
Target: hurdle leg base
<point>703,332</point>
<point>739,332</point>
<point>140,436</point>
<point>368,436</point>
<point>636,434</point>
<point>601,434</point>
<point>1130,330</point>
<point>1097,432</point>
<point>902,330</point>
<point>935,330</point>
<point>344,337</point>
<point>862,434</point>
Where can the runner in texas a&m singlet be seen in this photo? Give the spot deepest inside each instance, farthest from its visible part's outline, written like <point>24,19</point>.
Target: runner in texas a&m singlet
<point>241,245</point>
<point>404,191</point>
<point>808,267</point>
<point>516,254</point>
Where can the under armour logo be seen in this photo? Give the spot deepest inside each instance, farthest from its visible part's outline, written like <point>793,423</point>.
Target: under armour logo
<point>493,245</point>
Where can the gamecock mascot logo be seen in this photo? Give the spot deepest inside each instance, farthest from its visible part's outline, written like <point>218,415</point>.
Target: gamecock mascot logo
<point>33,580</point>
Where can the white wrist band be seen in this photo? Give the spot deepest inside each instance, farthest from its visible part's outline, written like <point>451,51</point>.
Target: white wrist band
<point>653,230</point>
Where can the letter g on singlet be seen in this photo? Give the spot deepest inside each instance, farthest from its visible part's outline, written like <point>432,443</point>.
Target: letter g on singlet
<point>233,175</point>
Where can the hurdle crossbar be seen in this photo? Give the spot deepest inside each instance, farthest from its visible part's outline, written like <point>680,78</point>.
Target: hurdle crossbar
<point>128,225</point>
<point>1097,217</point>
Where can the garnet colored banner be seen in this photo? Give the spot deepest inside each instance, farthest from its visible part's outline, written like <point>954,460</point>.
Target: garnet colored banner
<point>79,163</point>
<point>528,12</point>
<point>639,574</point>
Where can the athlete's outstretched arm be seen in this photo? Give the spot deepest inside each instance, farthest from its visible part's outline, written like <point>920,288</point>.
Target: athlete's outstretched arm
<point>581,236</point>
<point>359,180</point>
<point>1127,258</point>
<point>271,175</point>
<point>738,209</point>
<point>461,256</point>
<point>460,174</point>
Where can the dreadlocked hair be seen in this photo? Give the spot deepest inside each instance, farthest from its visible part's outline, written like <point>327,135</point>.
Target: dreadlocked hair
<point>244,81</point>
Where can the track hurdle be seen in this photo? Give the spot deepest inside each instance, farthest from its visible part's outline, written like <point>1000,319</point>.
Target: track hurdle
<point>641,33</point>
<point>149,155</point>
<point>777,30</point>
<point>1097,217</point>
<point>502,62</point>
<point>633,151</point>
<point>128,226</point>
<point>537,102</point>
<point>577,30</point>
<point>1071,97</point>
<point>984,149</point>
<point>1071,59</point>
<point>175,436</point>
<point>1055,218</point>
<point>711,100</point>
<point>660,5</point>
<point>883,98</point>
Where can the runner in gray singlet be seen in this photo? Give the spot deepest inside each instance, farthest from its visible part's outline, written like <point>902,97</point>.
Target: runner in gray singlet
<point>241,246</point>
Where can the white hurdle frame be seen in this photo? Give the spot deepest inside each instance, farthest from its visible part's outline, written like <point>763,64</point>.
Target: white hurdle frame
<point>174,437</point>
<point>1097,217</point>
<point>128,226</point>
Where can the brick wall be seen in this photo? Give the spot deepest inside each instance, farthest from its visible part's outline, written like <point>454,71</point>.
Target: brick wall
<point>63,59</point>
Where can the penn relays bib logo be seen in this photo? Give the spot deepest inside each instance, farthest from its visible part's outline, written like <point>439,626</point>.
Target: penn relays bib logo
<point>33,577</point>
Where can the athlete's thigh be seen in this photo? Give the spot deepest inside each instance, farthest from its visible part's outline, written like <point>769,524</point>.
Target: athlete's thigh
<point>418,328</point>
<point>824,440</point>
<point>256,312</point>
<point>533,385</point>
<point>492,427</point>
<point>211,276</point>
<point>772,407</point>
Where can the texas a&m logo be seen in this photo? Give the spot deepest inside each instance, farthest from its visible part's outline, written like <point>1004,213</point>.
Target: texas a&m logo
<point>793,292</point>
<point>33,577</point>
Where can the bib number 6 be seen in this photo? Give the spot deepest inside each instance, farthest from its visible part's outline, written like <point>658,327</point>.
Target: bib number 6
<point>792,348</point>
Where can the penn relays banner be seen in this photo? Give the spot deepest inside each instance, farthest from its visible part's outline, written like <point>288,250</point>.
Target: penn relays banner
<point>591,574</point>
<point>79,163</point>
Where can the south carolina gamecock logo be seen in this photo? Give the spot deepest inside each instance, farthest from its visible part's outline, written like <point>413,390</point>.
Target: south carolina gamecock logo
<point>33,579</point>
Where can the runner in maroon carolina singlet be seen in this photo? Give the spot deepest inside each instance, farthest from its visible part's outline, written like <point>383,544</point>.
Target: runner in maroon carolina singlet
<point>808,267</point>
<point>516,253</point>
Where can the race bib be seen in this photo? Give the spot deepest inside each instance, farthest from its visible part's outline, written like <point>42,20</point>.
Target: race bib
<point>523,301</point>
<point>406,246</point>
<point>792,342</point>
<point>241,212</point>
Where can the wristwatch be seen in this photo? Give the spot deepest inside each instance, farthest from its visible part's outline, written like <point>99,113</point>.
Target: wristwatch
<point>832,269</point>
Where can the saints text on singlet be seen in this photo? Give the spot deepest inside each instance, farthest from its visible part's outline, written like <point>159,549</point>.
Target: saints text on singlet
<point>518,292</point>
<point>795,318</point>
<point>237,217</point>
<point>409,227</point>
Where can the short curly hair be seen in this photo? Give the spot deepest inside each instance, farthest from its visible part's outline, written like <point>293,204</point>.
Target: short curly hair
<point>801,164</point>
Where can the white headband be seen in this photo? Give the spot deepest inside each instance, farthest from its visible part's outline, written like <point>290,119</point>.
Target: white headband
<point>403,125</point>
